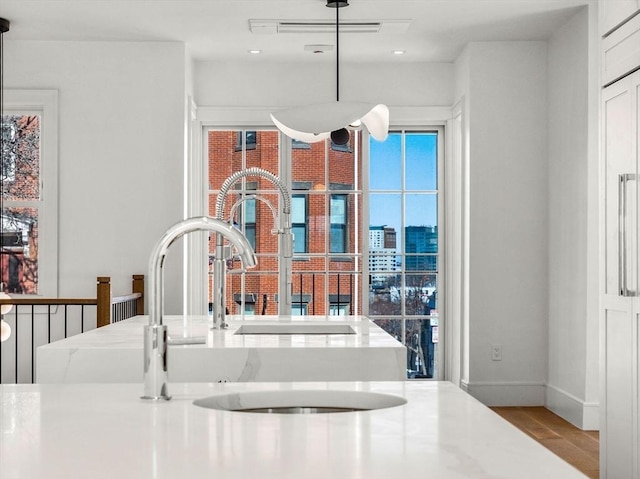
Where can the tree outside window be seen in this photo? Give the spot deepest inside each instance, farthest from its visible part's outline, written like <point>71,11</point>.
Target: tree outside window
<point>20,203</point>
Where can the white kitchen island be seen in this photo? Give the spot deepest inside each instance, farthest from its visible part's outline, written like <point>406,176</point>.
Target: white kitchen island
<point>114,353</point>
<point>104,431</point>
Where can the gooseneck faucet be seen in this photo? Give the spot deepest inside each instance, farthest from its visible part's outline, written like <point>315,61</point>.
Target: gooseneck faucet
<point>155,333</point>
<point>285,245</point>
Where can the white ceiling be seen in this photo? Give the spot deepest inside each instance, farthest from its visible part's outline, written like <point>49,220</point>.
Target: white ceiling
<point>219,29</point>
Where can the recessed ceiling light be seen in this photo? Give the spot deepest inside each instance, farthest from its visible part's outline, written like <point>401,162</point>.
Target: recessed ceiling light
<point>255,52</point>
<point>399,52</point>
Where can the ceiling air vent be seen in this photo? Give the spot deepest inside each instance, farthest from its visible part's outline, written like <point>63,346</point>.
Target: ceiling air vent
<point>272,27</point>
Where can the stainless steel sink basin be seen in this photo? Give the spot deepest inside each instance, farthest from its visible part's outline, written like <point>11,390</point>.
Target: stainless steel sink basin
<point>295,328</point>
<point>300,401</point>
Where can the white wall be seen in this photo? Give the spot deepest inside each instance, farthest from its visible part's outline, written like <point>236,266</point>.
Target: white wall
<point>247,84</point>
<point>573,347</point>
<point>121,117</point>
<point>505,104</point>
<point>530,148</point>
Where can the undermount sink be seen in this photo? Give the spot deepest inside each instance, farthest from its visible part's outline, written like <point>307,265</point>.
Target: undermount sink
<point>300,401</point>
<point>295,328</point>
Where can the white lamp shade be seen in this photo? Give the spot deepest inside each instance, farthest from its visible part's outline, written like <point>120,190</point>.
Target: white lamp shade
<point>377,122</point>
<point>314,123</point>
<point>5,308</point>
<point>5,331</point>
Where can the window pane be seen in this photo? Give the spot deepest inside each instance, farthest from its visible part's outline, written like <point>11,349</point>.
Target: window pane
<point>299,209</point>
<point>384,295</point>
<point>421,210</point>
<point>249,138</point>
<point>338,214</point>
<point>226,156</point>
<point>339,310</point>
<point>384,211</point>
<point>421,239</point>
<point>250,233</point>
<point>420,294</point>
<point>21,157</point>
<point>385,163</point>
<point>422,343</point>
<point>382,263</point>
<point>317,223</point>
<point>224,159</point>
<point>298,309</point>
<point>338,239</point>
<point>421,166</point>
<point>299,239</point>
<point>338,209</point>
<point>250,211</point>
<point>300,145</point>
<point>249,309</point>
<point>20,250</point>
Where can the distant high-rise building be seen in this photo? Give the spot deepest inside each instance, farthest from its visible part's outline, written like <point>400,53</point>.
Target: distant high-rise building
<point>421,241</point>
<point>382,237</point>
<point>382,247</point>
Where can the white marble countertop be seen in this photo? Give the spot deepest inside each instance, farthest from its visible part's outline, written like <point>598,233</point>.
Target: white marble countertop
<point>114,353</point>
<point>105,431</point>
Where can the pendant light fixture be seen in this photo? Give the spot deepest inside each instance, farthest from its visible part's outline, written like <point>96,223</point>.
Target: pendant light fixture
<point>318,122</point>
<point>5,330</point>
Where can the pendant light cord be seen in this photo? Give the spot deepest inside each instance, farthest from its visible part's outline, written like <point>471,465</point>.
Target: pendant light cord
<point>337,54</point>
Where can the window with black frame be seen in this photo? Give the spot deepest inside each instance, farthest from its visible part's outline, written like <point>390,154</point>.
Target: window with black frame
<point>338,224</point>
<point>299,223</point>
<point>250,139</point>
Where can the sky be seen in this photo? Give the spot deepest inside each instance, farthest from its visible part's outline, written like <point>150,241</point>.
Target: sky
<point>386,180</point>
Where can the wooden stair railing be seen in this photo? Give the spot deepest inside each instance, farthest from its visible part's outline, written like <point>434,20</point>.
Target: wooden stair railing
<point>113,309</point>
<point>109,309</point>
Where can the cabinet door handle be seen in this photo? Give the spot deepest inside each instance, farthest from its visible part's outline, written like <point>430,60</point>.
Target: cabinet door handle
<point>623,284</point>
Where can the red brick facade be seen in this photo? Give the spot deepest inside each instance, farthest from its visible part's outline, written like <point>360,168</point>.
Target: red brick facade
<point>309,178</point>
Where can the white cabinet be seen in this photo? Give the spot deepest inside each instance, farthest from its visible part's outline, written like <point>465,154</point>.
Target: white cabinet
<point>619,332</point>
<point>621,51</point>
<point>620,291</point>
<point>615,12</point>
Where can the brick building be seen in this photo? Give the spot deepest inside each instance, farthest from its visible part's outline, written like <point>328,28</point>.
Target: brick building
<point>326,217</point>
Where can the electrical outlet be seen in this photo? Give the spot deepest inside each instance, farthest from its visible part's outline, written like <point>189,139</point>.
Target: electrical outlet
<point>496,352</point>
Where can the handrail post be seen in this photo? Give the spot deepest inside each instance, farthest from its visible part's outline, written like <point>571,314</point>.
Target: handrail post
<point>103,297</point>
<point>137,286</point>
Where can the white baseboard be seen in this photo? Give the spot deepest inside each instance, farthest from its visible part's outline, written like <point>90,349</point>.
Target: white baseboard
<point>516,393</point>
<point>582,414</point>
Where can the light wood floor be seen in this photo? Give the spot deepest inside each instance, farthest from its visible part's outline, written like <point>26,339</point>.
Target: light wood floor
<point>579,448</point>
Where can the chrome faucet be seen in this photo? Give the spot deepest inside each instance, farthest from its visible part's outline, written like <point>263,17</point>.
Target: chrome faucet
<point>155,333</point>
<point>285,246</point>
